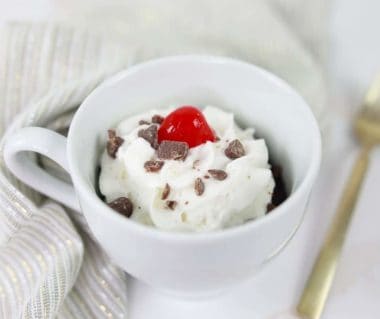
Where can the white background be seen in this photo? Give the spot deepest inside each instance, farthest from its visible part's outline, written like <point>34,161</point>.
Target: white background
<point>353,60</point>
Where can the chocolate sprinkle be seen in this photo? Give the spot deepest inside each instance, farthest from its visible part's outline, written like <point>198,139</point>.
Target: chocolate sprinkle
<point>122,205</point>
<point>199,187</point>
<point>113,143</point>
<point>171,204</point>
<point>153,166</point>
<point>234,149</point>
<point>165,192</point>
<point>150,135</point>
<point>218,174</point>
<point>172,150</point>
<point>143,122</point>
<point>158,119</point>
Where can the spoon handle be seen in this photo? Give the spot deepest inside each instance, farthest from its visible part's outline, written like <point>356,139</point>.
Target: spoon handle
<point>318,286</point>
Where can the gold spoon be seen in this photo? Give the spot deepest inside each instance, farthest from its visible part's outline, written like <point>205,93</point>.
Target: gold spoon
<point>367,129</point>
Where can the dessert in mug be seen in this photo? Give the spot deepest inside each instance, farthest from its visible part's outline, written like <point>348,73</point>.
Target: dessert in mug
<point>188,169</point>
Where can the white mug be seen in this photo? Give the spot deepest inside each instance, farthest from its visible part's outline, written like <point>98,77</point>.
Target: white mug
<point>185,264</point>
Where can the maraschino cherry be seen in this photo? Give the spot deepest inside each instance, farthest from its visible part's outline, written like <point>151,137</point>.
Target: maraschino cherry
<point>186,124</point>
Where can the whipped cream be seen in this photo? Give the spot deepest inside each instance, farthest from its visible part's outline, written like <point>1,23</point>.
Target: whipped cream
<point>242,196</point>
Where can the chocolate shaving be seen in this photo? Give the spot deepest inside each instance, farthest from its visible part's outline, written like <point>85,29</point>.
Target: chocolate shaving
<point>158,119</point>
<point>171,204</point>
<point>199,187</point>
<point>113,143</point>
<point>172,150</point>
<point>153,166</point>
<point>122,205</point>
<point>150,135</point>
<point>234,149</point>
<point>218,174</point>
<point>165,192</point>
<point>143,122</point>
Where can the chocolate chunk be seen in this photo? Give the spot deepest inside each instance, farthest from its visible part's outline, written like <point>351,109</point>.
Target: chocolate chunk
<point>234,149</point>
<point>218,174</point>
<point>153,166</point>
<point>158,119</point>
<point>171,204</point>
<point>122,205</point>
<point>113,143</point>
<point>199,187</point>
<point>150,135</point>
<point>206,177</point>
<point>143,122</point>
<point>172,150</point>
<point>165,192</point>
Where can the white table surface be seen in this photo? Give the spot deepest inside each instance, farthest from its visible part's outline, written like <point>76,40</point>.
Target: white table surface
<point>354,59</point>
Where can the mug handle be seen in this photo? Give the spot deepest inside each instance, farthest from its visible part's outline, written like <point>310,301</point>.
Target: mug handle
<point>45,142</point>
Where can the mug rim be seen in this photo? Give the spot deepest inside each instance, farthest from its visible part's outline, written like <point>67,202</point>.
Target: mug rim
<point>159,234</point>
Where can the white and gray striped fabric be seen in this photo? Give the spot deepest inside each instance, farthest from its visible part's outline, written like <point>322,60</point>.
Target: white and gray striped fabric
<point>50,266</point>
<point>47,267</point>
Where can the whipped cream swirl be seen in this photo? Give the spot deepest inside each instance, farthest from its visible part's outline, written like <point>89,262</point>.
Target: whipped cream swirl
<point>242,196</point>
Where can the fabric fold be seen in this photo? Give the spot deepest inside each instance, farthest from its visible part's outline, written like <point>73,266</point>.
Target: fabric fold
<point>50,265</point>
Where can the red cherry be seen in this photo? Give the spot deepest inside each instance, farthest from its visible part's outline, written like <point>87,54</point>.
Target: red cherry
<point>186,124</point>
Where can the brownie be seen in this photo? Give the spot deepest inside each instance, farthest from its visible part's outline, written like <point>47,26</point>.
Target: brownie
<point>279,193</point>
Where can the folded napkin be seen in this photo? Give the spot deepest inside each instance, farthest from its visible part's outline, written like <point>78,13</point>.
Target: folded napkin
<point>50,265</point>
